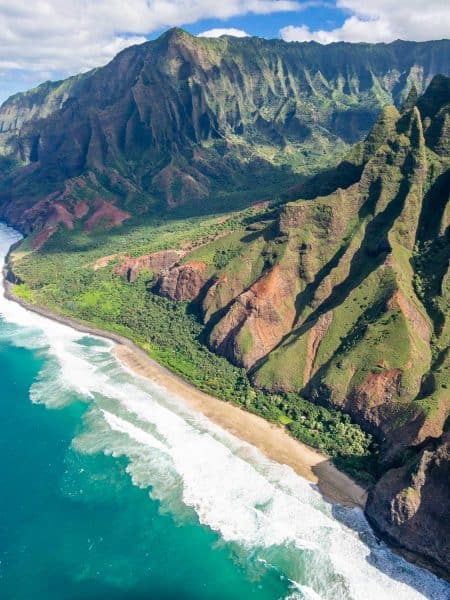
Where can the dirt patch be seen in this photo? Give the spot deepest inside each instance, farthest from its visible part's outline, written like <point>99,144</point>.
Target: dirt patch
<point>412,314</point>
<point>81,209</point>
<point>106,214</point>
<point>103,262</point>
<point>42,237</point>
<point>62,215</point>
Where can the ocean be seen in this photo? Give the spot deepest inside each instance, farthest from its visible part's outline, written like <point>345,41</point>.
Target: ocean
<point>110,488</point>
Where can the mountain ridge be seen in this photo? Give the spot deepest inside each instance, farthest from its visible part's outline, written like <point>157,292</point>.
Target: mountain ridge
<point>202,123</point>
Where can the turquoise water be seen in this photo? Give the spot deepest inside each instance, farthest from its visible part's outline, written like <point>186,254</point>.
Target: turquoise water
<point>110,488</point>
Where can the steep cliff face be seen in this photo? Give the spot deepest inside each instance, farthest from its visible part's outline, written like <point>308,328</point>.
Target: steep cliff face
<point>410,503</point>
<point>185,120</point>
<point>155,262</point>
<point>337,309</point>
<point>182,282</point>
<point>258,318</point>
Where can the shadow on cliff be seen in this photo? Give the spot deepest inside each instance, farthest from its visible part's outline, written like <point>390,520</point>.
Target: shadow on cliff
<point>245,185</point>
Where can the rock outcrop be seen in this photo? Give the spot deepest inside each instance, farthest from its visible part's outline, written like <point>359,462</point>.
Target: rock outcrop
<point>155,263</point>
<point>410,503</point>
<point>183,282</point>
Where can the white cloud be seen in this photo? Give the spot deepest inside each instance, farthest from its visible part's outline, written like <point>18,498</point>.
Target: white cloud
<point>63,36</point>
<point>218,31</point>
<point>381,21</point>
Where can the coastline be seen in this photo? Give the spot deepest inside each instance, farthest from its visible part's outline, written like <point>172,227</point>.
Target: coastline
<point>271,439</point>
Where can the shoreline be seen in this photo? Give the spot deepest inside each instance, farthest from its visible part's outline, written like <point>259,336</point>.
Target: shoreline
<point>271,439</point>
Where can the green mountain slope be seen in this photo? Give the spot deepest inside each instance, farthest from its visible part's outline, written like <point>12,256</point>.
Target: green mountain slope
<point>208,124</point>
<point>344,300</point>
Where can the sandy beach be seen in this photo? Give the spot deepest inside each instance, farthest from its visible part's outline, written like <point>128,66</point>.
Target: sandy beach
<point>272,440</point>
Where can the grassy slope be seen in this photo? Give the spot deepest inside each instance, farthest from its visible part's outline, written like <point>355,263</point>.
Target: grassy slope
<point>383,307</point>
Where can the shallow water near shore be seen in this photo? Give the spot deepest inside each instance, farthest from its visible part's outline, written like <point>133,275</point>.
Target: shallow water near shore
<point>111,489</point>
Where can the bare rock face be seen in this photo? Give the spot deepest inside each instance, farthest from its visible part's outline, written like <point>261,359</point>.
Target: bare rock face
<point>316,335</point>
<point>410,503</point>
<point>257,319</point>
<point>182,282</point>
<point>370,399</point>
<point>155,262</point>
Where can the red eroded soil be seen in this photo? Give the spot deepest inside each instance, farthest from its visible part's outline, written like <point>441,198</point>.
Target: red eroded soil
<point>106,214</point>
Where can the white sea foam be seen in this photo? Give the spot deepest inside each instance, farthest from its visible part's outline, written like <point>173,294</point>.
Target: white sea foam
<point>194,467</point>
<point>140,436</point>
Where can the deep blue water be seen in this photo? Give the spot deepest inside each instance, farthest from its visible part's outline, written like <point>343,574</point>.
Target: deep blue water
<point>111,489</point>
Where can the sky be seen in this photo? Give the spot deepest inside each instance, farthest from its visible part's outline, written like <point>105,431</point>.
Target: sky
<point>51,39</point>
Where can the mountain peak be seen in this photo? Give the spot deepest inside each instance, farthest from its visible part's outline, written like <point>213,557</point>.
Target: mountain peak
<point>435,97</point>
<point>157,116</point>
<point>175,34</point>
<point>411,99</point>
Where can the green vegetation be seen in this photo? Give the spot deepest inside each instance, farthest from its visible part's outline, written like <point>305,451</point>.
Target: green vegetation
<point>23,291</point>
<point>333,294</point>
<point>140,236</point>
<point>295,111</point>
<point>364,299</point>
